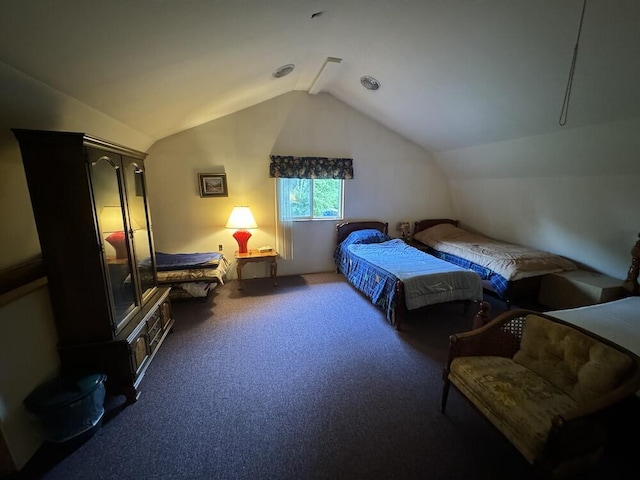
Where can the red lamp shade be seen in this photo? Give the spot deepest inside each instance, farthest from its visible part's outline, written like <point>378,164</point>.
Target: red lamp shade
<point>241,218</point>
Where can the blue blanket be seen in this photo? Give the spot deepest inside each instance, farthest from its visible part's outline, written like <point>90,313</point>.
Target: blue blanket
<point>374,268</point>
<point>427,279</point>
<point>181,261</point>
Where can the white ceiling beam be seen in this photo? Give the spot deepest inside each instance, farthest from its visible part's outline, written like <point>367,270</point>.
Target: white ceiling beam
<point>327,73</point>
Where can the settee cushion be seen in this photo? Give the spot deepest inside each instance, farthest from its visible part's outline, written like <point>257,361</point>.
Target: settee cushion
<point>581,366</point>
<point>518,401</point>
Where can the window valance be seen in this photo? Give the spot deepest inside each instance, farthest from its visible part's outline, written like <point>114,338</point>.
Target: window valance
<point>311,167</point>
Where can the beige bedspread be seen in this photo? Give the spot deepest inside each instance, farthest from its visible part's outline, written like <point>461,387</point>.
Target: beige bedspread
<point>509,260</point>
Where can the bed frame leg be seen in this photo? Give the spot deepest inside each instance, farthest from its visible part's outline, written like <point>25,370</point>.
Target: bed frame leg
<point>445,395</point>
<point>482,317</point>
<point>400,310</point>
<point>398,315</point>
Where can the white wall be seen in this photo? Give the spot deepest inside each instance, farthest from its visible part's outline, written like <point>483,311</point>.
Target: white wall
<point>394,179</point>
<point>28,341</point>
<point>574,193</point>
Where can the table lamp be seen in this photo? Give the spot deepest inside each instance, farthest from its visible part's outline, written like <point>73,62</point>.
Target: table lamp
<point>111,222</point>
<point>241,218</point>
<point>405,230</point>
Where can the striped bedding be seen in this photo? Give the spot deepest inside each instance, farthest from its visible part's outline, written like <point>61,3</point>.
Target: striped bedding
<point>374,267</point>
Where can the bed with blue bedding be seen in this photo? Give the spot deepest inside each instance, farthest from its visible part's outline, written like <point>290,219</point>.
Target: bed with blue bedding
<point>397,277</point>
<point>191,275</point>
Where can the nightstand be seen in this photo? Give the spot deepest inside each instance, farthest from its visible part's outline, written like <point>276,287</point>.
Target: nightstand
<point>253,256</point>
<point>577,288</point>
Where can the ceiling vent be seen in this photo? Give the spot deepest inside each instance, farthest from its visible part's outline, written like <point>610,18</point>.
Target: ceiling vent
<point>369,83</point>
<point>284,70</point>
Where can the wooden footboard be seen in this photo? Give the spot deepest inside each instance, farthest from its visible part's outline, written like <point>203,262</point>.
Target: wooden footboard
<point>519,292</point>
<point>400,310</point>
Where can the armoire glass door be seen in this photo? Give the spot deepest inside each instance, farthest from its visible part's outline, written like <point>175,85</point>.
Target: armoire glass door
<point>109,202</point>
<point>140,232</point>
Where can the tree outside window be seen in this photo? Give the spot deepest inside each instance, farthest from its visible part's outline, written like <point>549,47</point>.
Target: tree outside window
<point>313,198</point>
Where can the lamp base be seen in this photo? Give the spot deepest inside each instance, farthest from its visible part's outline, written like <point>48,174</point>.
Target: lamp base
<point>118,241</point>
<point>242,237</point>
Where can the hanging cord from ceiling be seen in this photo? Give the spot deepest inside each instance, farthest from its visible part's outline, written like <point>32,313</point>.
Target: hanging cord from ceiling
<point>564,112</point>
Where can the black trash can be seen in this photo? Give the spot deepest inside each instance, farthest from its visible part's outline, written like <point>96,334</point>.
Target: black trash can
<point>68,407</point>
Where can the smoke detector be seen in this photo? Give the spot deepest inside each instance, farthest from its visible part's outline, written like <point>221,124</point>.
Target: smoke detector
<point>284,70</point>
<point>369,83</point>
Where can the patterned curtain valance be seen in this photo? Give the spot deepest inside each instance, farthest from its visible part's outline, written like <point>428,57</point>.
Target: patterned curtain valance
<point>311,167</point>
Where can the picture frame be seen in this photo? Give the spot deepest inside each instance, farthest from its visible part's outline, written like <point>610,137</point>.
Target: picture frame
<point>213,184</point>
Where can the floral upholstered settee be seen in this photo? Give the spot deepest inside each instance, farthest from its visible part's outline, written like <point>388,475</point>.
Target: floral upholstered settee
<point>545,384</point>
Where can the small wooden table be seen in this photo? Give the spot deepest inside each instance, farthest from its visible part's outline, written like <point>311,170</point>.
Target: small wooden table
<point>256,256</point>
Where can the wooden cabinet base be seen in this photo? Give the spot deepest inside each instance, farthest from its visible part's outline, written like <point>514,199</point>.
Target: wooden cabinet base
<point>125,359</point>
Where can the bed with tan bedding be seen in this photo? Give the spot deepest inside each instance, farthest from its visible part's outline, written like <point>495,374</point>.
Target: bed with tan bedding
<point>510,270</point>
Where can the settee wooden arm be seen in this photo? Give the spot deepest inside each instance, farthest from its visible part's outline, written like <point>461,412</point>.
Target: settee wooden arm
<point>567,439</point>
<point>500,337</point>
<point>603,403</point>
<point>627,387</point>
<point>582,429</point>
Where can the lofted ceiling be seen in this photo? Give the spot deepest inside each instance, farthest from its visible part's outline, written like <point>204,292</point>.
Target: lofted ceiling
<point>453,73</point>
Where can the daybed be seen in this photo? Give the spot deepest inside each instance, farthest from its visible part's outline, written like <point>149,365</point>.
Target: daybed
<point>191,275</point>
<point>545,384</point>
<point>397,277</point>
<point>511,271</point>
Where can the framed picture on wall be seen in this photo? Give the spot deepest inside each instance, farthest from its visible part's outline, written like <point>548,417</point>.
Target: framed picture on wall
<point>213,184</point>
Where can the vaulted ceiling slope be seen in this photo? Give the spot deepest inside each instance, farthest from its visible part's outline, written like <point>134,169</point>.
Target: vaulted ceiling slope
<point>453,73</point>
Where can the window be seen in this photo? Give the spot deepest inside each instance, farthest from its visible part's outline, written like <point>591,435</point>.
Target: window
<point>307,188</point>
<point>312,199</point>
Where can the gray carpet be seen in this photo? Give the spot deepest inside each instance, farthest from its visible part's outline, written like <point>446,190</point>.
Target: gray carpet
<point>306,380</point>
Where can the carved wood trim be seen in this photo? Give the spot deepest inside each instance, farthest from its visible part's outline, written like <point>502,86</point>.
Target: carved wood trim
<point>631,283</point>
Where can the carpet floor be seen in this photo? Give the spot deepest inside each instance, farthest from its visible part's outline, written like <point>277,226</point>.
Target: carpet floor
<point>305,380</point>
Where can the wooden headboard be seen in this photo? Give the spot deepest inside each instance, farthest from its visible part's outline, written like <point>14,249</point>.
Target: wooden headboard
<point>344,229</point>
<point>631,283</point>
<point>424,224</point>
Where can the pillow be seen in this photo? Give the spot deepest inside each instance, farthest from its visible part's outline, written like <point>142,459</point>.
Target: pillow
<point>580,365</point>
<point>369,235</point>
<point>433,234</point>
